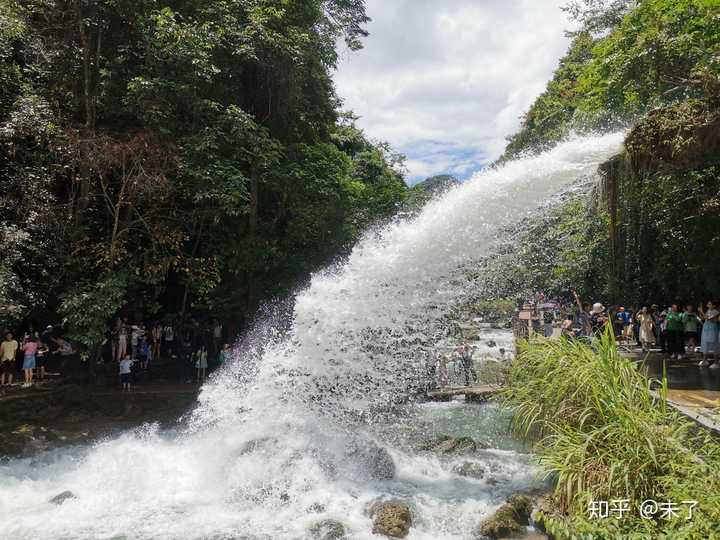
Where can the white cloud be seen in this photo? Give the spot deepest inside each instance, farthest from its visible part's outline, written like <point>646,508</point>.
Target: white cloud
<point>457,74</point>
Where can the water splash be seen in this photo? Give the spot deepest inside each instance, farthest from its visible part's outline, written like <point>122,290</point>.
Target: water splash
<point>286,430</point>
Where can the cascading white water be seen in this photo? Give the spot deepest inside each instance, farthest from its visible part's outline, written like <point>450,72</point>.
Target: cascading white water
<point>281,437</point>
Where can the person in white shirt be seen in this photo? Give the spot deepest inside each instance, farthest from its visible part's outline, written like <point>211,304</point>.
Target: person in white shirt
<point>126,372</point>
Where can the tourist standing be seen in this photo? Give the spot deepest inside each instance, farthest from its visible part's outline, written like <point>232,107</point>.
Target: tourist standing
<point>145,353</point>
<point>646,329</point>
<point>201,364</point>
<point>122,343</point>
<point>691,324</point>
<point>126,372</point>
<point>675,333</point>
<point>224,355</point>
<point>583,317</point>
<point>661,325</point>
<point>622,321</point>
<point>465,353</point>
<point>598,318</point>
<point>217,334</point>
<point>29,348</point>
<point>169,337</point>
<point>8,352</point>
<point>156,333</point>
<point>709,338</point>
<point>566,329</point>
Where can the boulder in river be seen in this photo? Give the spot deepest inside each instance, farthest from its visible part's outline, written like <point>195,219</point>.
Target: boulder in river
<point>508,521</point>
<point>375,459</point>
<point>327,529</point>
<point>62,497</point>
<point>470,469</point>
<point>446,444</point>
<point>391,518</point>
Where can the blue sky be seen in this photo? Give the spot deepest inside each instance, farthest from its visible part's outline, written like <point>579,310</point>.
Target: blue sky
<point>445,81</point>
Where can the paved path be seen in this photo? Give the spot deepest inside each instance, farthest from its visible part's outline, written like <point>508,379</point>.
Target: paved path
<point>692,390</point>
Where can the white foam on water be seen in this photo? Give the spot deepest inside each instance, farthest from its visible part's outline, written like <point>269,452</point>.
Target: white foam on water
<point>271,434</point>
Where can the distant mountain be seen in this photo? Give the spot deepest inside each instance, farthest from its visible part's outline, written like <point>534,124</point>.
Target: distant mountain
<point>421,193</point>
<point>437,184</point>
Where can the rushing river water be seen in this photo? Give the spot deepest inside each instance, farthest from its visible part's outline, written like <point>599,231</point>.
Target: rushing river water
<point>289,432</point>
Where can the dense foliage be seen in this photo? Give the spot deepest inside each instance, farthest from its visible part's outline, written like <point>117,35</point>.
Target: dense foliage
<point>602,436</point>
<point>657,53</point>
<point>650,232</point>
<point>188,155</point>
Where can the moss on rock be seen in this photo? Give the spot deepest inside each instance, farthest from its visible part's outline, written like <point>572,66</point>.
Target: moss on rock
<point>391,518</point>
<point>508,521</point>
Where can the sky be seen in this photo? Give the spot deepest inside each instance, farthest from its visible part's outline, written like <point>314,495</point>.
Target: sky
<point>446,81</point>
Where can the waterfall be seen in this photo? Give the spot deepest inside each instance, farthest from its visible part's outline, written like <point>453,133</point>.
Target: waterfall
<point>293,422</point>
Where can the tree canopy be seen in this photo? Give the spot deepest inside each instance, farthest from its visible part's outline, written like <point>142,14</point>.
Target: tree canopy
<point>191,155</point>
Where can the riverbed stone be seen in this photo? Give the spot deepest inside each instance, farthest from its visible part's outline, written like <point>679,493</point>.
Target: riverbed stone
<point>315,508</point>
<point>470,469</point>
<point>375,459</point>
<point>508,521</point>
<point>328,529</point>
<point>62,497</point>
<point>391,518</point>
<point>445,444</point>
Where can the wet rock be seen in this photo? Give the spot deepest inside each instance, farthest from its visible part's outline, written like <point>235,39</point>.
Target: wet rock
<point>315,508</point>
<point>255,445</point>
<point>376,461</point>
<point>391,518</point>
<point>509,520</point>
<point>328,529</point>
<point>470,469</point>
<point>491,343</point>
<point>62,497</point>
<point>545,507</point>
<point>445,444</point>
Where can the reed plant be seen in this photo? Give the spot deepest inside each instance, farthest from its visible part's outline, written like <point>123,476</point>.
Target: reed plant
<point>601,436</point>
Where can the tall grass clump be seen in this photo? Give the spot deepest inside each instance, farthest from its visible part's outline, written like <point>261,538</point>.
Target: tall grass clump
<point>601,435</point>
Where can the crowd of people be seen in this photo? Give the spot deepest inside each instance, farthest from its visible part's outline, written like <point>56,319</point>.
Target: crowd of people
<point>673,330</point>
<point>192,349</point>
<point>33,356</point>
<point>185,352</point>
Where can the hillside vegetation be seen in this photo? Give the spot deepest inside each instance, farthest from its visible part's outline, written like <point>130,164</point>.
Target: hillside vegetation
<point>650,231</point>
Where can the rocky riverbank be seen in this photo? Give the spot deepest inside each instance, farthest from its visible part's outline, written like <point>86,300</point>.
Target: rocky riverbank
<point>65,414</point>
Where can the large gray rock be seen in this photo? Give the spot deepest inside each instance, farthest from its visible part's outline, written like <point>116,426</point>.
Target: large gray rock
<point>374,459</point>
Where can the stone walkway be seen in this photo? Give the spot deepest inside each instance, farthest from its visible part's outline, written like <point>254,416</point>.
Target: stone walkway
<point>692,390</point>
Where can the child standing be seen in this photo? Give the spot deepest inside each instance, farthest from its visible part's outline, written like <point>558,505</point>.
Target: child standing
<point>126,372</point>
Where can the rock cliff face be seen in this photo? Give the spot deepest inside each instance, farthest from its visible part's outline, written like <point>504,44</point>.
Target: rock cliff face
<point>662,200</point>
<point>654,219</point>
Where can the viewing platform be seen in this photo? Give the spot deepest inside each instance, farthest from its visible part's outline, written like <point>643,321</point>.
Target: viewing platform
<point>471,393</point>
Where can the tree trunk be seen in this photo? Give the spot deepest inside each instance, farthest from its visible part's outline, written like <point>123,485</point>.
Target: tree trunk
<point>253,214</point>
